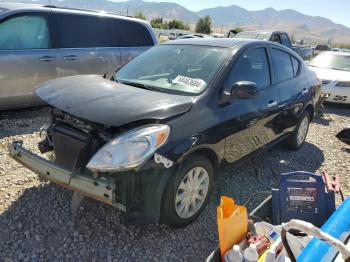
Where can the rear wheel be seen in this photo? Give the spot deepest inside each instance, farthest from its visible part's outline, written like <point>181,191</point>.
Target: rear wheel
<point>187,192</point>
<point>296,140</point>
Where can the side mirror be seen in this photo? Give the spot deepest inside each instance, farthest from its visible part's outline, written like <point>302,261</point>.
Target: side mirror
<point>244,89</point>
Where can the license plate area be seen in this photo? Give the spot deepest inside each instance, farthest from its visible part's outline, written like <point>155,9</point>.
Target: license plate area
<point>72,148</point>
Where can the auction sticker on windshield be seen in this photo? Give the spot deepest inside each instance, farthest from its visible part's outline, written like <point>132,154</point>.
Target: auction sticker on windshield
<point>189,82</point>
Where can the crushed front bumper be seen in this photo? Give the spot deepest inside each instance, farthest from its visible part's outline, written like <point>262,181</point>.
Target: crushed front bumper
<point>100,189</point>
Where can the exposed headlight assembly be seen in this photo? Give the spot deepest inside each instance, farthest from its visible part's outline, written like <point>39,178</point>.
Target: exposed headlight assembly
<point>343,84</point>
<point>130,149</point>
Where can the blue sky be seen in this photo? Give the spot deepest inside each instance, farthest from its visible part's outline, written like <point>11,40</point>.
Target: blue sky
<point>336,10</point>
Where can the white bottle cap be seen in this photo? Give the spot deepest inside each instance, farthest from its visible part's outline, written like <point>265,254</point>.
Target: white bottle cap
<point>236,248</point>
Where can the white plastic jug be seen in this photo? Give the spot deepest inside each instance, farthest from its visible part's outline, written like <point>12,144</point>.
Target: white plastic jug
<point>234,254</point>
<point>250,254</point>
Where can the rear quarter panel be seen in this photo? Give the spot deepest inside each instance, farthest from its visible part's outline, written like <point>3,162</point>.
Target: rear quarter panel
<point>315,85</point>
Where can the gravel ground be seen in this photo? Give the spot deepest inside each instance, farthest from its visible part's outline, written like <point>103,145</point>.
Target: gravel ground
<point>36,224</point>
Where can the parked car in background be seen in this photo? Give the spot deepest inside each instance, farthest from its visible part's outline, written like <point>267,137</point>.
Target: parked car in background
<point>153,139</point>
<point>321,48</point>
<point>305,52</point>
<point>333,68</point>
<point>39,43</point>
<point>187,36</point>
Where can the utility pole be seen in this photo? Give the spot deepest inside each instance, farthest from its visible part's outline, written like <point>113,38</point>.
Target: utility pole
<point>127,10</point>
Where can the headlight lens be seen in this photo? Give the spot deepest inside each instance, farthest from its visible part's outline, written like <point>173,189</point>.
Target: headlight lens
<point>343,84</point>
<point>129,150</point>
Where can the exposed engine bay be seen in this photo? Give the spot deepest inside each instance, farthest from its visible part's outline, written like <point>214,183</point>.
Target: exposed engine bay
<point>73,141</point>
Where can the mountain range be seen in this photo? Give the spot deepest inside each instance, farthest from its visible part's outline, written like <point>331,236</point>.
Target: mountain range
<point>300,25</point>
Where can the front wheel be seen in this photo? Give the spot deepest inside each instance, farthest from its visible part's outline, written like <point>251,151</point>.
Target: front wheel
<point>296,140</point>
<point>187,192</point>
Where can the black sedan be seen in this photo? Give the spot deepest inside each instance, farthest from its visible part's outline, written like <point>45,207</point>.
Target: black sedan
<point>151,140</point>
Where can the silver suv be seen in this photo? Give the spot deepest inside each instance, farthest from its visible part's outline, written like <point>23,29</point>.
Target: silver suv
<point>40,43</point>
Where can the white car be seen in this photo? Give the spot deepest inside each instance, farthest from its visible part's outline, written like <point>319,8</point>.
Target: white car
<point>333,68</point>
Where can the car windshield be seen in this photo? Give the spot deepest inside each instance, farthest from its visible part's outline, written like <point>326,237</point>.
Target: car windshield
<point>253,35</point>
<point>184,69</point>
<point>332,61</point>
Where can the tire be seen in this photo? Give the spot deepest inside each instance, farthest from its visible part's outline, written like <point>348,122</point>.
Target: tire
<point>294,141</point>
<point>196,166</point>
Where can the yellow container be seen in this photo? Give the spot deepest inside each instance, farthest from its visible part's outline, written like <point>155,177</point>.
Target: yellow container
<point>232,222</point>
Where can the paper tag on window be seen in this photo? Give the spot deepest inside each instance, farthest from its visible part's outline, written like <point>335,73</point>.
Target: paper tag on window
<point>189,82</point>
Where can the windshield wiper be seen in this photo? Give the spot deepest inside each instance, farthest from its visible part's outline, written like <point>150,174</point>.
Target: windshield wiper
<point>143,86</point>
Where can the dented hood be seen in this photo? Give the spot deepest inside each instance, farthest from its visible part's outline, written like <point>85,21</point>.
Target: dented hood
<point>102,101</point>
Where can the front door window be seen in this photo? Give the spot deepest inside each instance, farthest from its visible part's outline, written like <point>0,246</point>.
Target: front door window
<point>252,66</point>
<point>24,32</point>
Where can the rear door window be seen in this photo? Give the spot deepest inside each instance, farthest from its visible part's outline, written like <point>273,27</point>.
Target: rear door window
<point>24,32</point>
<point>296,65</point>
<point>82,31</point>
<point>252,66</point>
<point>129,33</point>
<point>283,64</point>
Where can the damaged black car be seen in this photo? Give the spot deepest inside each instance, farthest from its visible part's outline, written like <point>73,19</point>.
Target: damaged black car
<point>152,139</point>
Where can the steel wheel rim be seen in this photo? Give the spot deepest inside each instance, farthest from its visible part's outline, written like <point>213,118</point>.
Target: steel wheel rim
<point>192,192</point>
<point>302,132</point>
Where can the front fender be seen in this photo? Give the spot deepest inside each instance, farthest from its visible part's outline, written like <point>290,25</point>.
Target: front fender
<point>196,144</point>
<point>153,185</point>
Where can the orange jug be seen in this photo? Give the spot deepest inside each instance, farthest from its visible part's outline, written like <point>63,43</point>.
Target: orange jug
<point>232,222</point>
